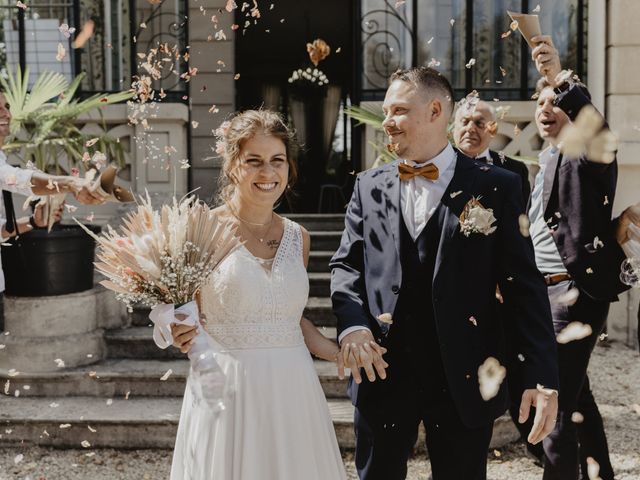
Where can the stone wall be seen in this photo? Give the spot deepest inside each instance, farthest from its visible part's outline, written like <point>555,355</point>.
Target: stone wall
<point>623,112</point>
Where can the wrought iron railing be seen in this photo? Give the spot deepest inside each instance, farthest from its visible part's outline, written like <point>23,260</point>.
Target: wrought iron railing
<point>125,31</point>
<point>392,35</point>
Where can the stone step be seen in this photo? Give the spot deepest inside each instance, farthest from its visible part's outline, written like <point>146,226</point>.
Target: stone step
<point>325,240</point>
<point>318,310</point>
<point>122,377</point>
<point>319,221</point>
<point>137,343</point>
<point>142,422</point>
<point>319,284</point>
<point>319,260</point>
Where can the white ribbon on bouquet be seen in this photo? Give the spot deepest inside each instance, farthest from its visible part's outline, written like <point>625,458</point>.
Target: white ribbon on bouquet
<point>208,378</point>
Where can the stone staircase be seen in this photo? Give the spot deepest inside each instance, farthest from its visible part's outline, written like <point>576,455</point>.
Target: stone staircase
<point>123,402</point>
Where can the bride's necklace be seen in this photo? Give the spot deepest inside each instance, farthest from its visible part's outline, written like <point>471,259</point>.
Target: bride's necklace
<point>268,224</point>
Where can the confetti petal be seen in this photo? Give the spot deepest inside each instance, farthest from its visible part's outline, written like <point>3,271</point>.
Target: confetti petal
<point>574,331</point>
<point>490,377</point>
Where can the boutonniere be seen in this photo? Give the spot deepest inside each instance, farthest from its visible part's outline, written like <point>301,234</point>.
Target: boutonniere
<point>476,219</point>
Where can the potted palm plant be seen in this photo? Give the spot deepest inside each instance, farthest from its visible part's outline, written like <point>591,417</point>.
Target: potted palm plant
<point>44,134</point>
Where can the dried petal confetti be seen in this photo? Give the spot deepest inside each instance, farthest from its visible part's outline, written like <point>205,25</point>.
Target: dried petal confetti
<point>593,469</point>
<point>318,51</point>
<point>569,298</point>
<point>433,63</point>
<point>577,417</point>
<point>231,6</point>
<point>490,377</point>
<point>21,5</point>
<point>92,430</point>
<point>513,25</point>
<point>66,30</point>
<point>64,426</point>
<point>18,458</point>
<point>470,63</point>
<point>536,10</point>
<point>473,320</point>
<point>59,362</point>
<point>392,147</point>
<point>62,52</point>
<point>586,136</point>
<point>574,331</point>
<point>385,318</point>
<point>166,375</point>
<point>85,444</point>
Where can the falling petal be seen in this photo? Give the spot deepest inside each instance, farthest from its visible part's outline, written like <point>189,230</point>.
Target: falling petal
<point>490,377</point>
<point>574,331</point>
<point>577,417</point>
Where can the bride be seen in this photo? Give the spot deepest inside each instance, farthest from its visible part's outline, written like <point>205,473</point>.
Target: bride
<point>276,424</point>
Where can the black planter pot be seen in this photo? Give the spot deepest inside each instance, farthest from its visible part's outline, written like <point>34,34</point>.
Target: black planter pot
<point>55,263</point>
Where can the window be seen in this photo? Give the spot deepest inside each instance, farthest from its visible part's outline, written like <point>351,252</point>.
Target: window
<point>449,33</point>
<point>124,31</point>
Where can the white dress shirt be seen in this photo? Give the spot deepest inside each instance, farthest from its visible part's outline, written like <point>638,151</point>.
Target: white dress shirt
<point>16,180</point>
<point>485,156</point>
<point>419,198</point>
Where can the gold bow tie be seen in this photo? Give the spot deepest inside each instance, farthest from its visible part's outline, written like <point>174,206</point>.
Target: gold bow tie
<point>430,171</point>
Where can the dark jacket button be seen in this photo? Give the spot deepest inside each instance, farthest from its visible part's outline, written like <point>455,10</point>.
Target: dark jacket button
<point>395,289</point>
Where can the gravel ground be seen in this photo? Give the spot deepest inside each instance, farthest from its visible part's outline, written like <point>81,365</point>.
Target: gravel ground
<point>615,378</point>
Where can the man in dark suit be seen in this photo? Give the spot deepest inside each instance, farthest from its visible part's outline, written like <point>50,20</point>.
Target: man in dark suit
<point>473,130</point>
<point>426,240</point>
<point>577,252</point>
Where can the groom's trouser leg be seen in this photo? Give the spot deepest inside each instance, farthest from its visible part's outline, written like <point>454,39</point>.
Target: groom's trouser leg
<point>591,437</point>
<point>561,446</point>
<point>384,442</point>
<point>456,451</point>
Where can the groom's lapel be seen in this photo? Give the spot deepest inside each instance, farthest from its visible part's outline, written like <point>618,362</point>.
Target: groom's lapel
<point>455,197</point>
<point>393,203</point>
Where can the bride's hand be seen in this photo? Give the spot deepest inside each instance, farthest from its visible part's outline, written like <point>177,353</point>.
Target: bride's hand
<point>338,359</point>
<point>183,336</point>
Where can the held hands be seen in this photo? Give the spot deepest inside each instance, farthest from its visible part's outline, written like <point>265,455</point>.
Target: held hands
<point>83,193</point>
<point>359,350</point>
<point>546,403</point>
<point>546,58</point>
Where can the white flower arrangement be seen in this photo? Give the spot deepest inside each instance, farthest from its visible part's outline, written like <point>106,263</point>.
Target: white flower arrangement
<point>314,76</point>
<point>477,219</point>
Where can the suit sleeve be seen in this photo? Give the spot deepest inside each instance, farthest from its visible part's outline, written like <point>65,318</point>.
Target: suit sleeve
<point>521,282</point>
<point>348,291</point>
<point>572,101</point>
<point>526,186</point>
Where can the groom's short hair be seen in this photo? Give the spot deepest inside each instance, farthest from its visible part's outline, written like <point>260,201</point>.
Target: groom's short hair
<point>430,81</point>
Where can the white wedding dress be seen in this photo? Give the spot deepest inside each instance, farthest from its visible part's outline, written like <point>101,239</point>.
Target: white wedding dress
<point>276,424</point>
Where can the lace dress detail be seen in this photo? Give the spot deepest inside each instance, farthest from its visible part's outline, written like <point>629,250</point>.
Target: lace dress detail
<point>249,306</point>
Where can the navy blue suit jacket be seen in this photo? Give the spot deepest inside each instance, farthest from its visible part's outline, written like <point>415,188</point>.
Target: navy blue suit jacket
<point>366,280</point>
<point>578,197</point>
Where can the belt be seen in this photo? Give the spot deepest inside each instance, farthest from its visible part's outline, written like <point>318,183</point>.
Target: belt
<point>554,278</point>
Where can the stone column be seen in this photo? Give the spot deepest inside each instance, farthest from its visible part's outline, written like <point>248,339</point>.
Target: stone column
<point>623,113</point>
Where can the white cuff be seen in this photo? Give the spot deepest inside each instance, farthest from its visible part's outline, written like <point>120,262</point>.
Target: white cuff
<point>349,330</point>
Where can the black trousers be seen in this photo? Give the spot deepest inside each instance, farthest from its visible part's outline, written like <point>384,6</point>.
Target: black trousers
<point>386,433</point>
<point>1,311</point>
<point>568,446</point>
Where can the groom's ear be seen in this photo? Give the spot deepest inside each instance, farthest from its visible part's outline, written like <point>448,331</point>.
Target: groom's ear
<point>435,109</point>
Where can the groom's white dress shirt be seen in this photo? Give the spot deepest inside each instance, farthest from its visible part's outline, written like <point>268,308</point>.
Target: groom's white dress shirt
<point>420,197</point>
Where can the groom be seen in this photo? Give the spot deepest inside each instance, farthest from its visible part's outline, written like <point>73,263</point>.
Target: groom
<point>412,276</point>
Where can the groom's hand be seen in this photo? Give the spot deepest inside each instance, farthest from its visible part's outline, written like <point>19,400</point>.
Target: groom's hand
<point>546,403</point>
<point>360,350</point>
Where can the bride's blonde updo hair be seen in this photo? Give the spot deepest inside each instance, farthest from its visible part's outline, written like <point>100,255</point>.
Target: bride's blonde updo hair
<point>233,134</point>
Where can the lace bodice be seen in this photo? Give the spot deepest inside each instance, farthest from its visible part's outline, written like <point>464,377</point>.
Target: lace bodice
<point>248,306</point>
